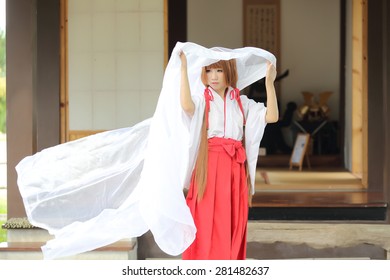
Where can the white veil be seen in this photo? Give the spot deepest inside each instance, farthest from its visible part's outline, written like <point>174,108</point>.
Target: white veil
<point>121,183</point>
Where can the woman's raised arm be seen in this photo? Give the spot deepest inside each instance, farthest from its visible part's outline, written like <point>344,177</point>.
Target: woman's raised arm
<point>272,114</point>
<point>185,93</point>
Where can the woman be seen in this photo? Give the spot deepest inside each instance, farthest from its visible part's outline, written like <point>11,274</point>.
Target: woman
<point>218,194</point>
<point>122,183</point>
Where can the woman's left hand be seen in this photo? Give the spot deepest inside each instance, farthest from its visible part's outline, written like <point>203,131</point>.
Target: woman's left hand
<point>272,114</point>
<point>271,73</point>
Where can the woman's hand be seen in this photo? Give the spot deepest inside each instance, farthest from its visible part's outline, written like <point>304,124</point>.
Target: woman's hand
<point>183,59</point>
<point>185,94</point>
<point>271,73</point>
<point>272,114</point>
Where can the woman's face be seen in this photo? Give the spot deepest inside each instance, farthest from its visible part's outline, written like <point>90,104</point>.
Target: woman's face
<point>216,79</point>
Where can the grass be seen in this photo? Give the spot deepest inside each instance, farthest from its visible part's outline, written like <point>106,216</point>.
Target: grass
<point>3,232</point>
<point>3,210</point>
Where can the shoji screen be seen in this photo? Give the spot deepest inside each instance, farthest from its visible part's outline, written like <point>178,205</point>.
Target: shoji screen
<point>115,62</point>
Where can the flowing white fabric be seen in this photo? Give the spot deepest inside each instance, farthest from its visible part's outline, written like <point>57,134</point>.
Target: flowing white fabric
<point>119,184</point>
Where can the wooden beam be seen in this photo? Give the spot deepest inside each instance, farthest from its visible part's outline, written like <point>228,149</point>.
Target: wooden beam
<point>64,102</point>
<point>77,134</point>
<point>166,33</point>
<point>359,90</point>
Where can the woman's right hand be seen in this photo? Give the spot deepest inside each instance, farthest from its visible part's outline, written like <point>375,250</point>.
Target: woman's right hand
<point>185,94</point>
<point>183,59</point>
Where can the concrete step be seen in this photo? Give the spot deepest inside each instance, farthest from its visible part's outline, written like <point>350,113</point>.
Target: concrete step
<point>24,242</point>
<point>122,250</point>
<point>28,235</point>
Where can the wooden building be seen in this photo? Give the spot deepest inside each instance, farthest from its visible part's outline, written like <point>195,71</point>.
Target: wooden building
<point>42,82</point>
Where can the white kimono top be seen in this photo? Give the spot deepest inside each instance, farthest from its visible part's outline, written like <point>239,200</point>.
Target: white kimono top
<point>225,117</point>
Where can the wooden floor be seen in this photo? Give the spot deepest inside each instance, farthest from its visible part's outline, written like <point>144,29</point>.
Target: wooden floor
<point>283,161</point>
<point>312,194</point>
<point>306,180</point>
<point>318,199</point>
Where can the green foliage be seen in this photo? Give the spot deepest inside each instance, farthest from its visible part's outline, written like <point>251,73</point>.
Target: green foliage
<point>2,83</point>
<point>3,210</point>
<point>3,232</point>
<point>3,205</point>
<point>2,105</point>
<point>2,54</point>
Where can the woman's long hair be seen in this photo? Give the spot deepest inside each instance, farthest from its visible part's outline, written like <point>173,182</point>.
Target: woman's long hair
<point>201,165</point>
<point>231,76</point>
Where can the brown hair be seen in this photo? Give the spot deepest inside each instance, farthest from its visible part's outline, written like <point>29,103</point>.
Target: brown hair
<point>231,76</point>
<point>229,68</point>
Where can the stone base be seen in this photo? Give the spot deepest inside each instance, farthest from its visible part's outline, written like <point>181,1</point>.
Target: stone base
<point>28,235</point>
<point>24,243</point>
<point>93,255</point>
<point>321,235</point>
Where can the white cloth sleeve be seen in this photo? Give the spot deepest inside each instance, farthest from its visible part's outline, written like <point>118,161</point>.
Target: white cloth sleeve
<point>84,192</point>
<point>254,131</point>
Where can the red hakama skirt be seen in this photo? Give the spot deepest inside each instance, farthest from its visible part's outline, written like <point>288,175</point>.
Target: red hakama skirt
<point>222,214</point>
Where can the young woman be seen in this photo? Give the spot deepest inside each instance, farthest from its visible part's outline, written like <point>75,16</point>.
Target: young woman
<point>218,194</point>
<point>122,183</point>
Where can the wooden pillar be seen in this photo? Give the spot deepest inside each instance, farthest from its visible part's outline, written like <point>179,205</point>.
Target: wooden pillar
<point>386,166</point>
<point>177,23</point>
<point>378,121</point>
<point>385,8</point>
<point>21,90</point>
<point>359,89</point>
<point>48,74</point>
<point>32,86</point>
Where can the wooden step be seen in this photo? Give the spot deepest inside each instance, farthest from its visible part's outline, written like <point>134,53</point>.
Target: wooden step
<point>321,206</point>
<point>284,161</point>
<point>123,246</point>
